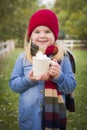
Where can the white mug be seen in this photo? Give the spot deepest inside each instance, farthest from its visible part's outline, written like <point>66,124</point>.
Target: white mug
<point>41,66</point>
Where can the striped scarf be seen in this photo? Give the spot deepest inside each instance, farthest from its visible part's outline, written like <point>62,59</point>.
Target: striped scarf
<point>54,109</point>
<point>54,112</point>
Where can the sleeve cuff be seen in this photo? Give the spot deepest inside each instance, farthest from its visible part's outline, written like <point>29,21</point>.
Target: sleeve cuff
<point>59,79</point>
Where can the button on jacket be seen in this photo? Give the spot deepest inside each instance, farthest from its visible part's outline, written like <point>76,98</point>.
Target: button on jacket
<point>32,92</point>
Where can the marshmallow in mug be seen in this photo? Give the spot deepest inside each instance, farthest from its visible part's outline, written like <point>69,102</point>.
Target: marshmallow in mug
<point>40,55</point>
<point>40,64</point>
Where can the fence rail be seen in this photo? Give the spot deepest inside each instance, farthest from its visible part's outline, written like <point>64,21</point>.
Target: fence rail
<point>6,47</point>
<point>9,45</point>
<point>73,43</point>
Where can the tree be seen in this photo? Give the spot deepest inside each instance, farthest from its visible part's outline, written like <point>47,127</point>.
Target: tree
<point>72,17</point>
<point>14,17</point>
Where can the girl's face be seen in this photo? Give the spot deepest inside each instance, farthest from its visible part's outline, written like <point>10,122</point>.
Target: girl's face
<point>43,37</point>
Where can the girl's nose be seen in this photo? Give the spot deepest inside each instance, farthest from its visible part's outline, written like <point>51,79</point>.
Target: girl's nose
<point>42,34</point>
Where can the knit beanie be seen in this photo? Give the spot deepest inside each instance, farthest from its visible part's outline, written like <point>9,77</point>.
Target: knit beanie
<point>44,17</point>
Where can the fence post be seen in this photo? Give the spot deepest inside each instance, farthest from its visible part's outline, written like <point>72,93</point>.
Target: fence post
<point>6,47</point>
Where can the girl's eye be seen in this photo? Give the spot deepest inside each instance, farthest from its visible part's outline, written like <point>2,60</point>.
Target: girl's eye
<point>36,32</point>
<point>48,31</point>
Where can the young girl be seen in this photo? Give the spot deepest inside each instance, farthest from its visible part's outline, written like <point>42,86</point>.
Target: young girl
<point>42,99</point>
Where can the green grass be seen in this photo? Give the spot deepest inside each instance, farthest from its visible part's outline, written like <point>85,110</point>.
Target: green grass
<point>78,120</point>
<point>9,99</point>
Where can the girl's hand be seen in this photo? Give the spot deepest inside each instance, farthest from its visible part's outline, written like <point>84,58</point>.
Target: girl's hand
<point>44,77</point>
<point>54,69</point>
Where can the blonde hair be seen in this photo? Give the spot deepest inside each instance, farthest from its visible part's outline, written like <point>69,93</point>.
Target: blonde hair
<point>61,51</point>
<point>27,47</point>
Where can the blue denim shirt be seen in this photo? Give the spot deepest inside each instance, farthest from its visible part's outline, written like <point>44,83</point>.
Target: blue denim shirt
<point>32,92</point>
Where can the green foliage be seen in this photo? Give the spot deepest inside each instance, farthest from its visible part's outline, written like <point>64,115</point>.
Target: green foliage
<point>14,17</point>
<point>72,17</point>
<point>9,99</point>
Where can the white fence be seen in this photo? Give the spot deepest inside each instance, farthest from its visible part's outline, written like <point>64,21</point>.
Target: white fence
<point>72,43</point>
<point>6,47</point>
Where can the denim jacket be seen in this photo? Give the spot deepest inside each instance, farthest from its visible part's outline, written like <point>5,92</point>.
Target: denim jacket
<point>32,92</point>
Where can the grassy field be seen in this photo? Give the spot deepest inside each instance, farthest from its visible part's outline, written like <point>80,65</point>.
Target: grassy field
<point>9,99</point>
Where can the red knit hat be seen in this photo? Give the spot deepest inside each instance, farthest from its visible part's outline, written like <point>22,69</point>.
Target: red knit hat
<point>44,17</point>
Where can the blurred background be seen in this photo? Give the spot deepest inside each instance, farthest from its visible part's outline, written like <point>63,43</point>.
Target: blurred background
<point>14,19</point>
